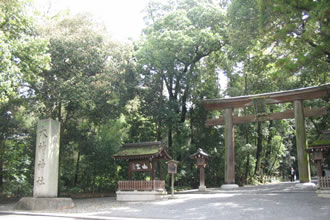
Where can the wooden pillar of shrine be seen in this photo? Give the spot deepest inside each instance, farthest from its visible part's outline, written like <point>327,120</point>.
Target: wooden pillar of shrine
<point>319,168</point>
<point>153,171</point>
<point>229,147</point>
<point>303,157</point>
<point>317,156</point>
<point>201,177</point>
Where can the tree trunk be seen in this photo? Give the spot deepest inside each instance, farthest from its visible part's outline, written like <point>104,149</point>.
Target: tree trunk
<point>192,139</point>
<point>259,149</point>
<point>159,130</point>
<point>247,168</point>
<point>184,106</point>
<point>77,170</point>
<point>269,148</point>
<point>1,164</point>
<point>170,140</point>
<point>159,119</point>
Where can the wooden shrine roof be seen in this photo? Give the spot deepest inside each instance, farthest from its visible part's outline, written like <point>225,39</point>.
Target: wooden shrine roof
<point>145,150</point>
<point>270,98</point>
<point>321,144</point>
<point>199,152</point>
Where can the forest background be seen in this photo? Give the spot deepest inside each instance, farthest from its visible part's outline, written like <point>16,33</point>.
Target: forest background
<point>106,93</point>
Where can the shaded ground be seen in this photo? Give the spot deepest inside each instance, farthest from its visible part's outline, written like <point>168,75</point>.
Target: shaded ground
<point>272,201</point>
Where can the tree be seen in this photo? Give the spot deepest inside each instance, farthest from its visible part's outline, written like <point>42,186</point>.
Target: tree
<point>181,34</point>
<point>23,54</point>
<point>16,153</point>
<point>300,30</point>
<point>89,83</point>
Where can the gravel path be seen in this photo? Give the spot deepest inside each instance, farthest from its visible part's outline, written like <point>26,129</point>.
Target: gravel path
<point>272,201</point>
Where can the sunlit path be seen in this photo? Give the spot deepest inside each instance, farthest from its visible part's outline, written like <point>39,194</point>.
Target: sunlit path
<point>271,201</point>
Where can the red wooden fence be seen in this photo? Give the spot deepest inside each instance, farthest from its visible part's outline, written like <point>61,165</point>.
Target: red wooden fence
<point>141,185</point>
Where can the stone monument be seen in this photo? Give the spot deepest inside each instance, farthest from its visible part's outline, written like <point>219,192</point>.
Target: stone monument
<point>45,186</point>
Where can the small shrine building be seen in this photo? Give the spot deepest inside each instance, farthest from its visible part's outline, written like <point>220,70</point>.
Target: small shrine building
<point>317,149</point>
<point>142,157</point>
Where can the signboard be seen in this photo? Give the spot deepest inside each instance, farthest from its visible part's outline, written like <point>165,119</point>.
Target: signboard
<point>140,166</point>
<point>317,155</point>
<point>201,162</point>
<point>172,167</point>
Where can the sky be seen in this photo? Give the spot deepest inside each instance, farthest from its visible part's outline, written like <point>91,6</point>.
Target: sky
<point>123,18</point>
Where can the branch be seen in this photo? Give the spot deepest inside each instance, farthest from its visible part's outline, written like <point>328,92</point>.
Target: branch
<point>316,126</point>
<point>169,88</point>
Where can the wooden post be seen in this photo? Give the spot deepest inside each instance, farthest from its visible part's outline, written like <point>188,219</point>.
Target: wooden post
<point>129,175</point>
<point>201,176</point>
<point>160,170</point>
<point>172,185</point>
<point>319,168</point>
<point>229,147</point>
<point>303,157</point>
<point>153,171</point>
<point>172,169</point>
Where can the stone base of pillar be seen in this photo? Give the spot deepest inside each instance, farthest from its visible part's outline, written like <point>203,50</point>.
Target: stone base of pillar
<point>229,186</point>
<point>202,188</point>
<point>32,203</point>
<point>140,196</point>
<point>306,185</point>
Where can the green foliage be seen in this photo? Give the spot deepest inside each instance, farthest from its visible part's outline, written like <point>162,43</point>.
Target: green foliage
<point>94,170</point>
<point>16,167</point>
<point>105,93</point>
<point>174,47</point>
<point>23,55</point>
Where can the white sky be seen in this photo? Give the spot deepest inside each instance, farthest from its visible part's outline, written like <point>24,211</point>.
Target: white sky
<point>123,18</point>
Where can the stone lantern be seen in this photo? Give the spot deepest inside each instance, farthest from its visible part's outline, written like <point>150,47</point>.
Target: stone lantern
<point>201,158</point>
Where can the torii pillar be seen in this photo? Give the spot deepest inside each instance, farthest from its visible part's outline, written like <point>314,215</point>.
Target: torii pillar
<point>303,157</point>
<point>229,151</point>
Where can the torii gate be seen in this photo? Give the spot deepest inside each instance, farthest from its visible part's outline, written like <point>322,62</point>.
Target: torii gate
<point>299,113</point>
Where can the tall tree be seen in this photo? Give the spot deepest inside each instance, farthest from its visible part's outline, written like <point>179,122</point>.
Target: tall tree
<point>180,35</point>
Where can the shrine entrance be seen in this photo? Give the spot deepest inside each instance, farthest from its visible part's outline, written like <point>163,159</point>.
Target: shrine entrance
<point>259,102</point>
<point>142,157</point>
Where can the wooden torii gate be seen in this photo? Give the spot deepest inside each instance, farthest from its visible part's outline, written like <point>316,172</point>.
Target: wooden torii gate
<point>299,113</point>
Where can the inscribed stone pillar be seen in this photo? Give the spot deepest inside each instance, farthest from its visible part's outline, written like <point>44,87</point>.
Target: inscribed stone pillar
<point>229,148</point>
<point>46,159</point>
<point>303,157</point>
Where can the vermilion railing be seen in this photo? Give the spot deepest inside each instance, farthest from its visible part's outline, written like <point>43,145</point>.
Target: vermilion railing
<point>324,182</point>
<point>141,185</point>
